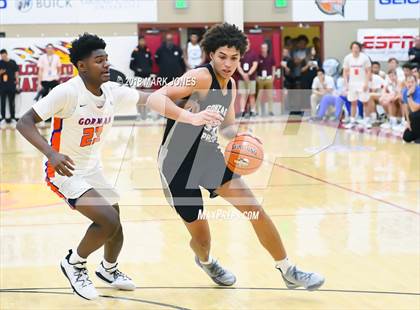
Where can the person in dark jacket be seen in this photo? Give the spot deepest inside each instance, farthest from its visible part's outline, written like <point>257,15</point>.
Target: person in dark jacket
<point>170,60</point>
<point>141,60</point>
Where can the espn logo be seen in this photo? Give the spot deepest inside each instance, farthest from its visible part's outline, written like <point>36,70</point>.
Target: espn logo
<point>388,42</point>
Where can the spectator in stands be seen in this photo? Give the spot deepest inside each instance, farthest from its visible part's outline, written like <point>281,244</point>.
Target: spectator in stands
<point>316,43</point>
<point>169,59</point>
<point>357,72</point>
<point>414,53</point>
<point>9,85</point>
<point>194,55</point>
<point>416,73</point>
<point>299,56</point>
<point>141,60</point>
<point>323,89</point>
<point>49,71</point>
<point>286,64</point>
<point>309,71</point>
<point>393,64</point>
<point>411,98</point>
<point>407,71</point>
<point>376,69</point>
<point>265,77</point>
<point>376,85</point>
<point>390,100</point>
<point>247,84</point>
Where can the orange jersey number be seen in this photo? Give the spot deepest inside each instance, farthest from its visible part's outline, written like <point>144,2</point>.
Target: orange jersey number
<point>91,135</point>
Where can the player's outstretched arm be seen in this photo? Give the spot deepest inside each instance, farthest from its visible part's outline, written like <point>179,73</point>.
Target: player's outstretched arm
<point>162,100</point>
<point>26,127</point>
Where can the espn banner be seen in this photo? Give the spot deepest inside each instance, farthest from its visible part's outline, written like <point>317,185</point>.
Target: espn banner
<point>381,44</point>
<point>329,10</point>
<point>77,11</point>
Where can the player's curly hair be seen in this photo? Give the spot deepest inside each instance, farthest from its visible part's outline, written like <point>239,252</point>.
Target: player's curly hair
<point>224,35</point>
<point>84,45</point>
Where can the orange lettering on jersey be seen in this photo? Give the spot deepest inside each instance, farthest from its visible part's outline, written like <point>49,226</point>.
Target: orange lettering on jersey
<point>88,136</point>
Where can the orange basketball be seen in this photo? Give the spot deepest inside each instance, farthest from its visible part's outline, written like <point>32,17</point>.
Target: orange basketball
<point>244,155</point>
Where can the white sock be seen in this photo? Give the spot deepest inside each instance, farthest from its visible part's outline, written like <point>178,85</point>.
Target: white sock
<point>75,258</point>
<point>283,264</point>
<point>108,265</point>
<point>352,120</point>
<point>209,261</point>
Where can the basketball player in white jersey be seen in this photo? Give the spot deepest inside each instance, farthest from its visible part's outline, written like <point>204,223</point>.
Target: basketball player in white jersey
<point>357,71</point>
<point>194,55</point>
<point>83,110</point>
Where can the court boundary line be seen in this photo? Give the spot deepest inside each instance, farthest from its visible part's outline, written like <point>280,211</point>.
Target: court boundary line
<point>350,291</point>
<point>36,291</point>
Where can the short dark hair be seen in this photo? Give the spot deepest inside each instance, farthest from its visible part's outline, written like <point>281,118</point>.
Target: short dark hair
<point>49,44</point>
<point>140,37</point>
<point>360,45</point>
<point>393,59</point>
<point>320,70</point>
<point>392,71</point>
<point>224,35</point>
<point>302,37</point>
<point>3,51</point>
<point>407,66</point>
<point>376,63</point>
<point>83,47</point>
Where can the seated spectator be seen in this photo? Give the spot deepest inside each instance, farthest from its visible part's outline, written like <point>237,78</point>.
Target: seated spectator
<point>322,93</point>
<point>376,69</point>
<point>407,71</point>
<point>411,98</point>
<point>376,85</point>
<point>390,100</point>
<point>393,64</point>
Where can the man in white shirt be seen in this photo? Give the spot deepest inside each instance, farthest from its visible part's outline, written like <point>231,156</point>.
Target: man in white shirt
<point>322,85</point>
<point>393,64</point>
<point>357,71</point>
<point>390,100</point>
<point>83,111</point>
<point>49,70</point>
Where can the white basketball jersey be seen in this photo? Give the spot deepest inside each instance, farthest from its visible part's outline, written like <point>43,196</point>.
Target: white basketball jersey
<point>81,120</point>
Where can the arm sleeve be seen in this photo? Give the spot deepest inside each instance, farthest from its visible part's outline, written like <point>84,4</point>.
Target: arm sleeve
<point>57,103</point>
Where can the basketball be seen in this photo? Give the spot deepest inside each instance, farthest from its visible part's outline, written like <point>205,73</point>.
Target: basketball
<point>244,155</point>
